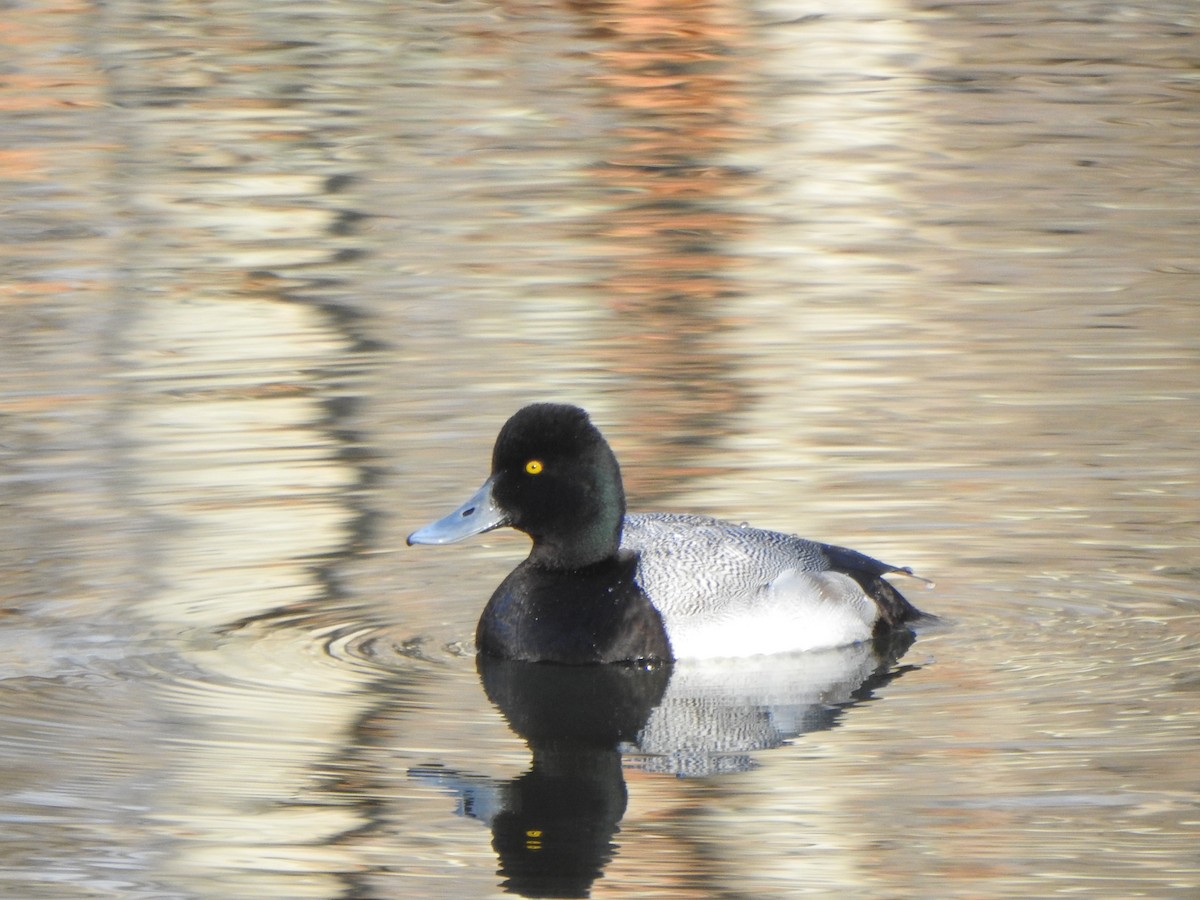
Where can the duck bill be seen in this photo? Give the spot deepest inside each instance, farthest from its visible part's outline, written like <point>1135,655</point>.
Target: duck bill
<point>477,515</point>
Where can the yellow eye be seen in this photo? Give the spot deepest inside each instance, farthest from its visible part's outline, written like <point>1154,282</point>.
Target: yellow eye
<point>534,467</point>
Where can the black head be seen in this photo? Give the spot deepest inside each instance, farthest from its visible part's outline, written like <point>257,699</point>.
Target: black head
<point>557,480</point>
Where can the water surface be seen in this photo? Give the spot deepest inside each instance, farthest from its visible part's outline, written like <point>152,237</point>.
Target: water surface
<point>915,278</point>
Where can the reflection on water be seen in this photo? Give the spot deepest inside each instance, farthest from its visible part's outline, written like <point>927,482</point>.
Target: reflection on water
<point>553,826</point>
<point>916,278</point>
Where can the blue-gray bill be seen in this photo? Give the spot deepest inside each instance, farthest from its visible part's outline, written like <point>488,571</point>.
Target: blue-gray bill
<point>477,515</point>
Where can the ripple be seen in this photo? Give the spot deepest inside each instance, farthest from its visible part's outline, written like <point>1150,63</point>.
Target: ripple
<point>388,651</point>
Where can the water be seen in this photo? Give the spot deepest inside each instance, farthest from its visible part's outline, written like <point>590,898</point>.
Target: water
<point>916,278</point>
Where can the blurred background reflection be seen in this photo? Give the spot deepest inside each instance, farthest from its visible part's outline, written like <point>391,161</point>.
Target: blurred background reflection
<point>918,278</point>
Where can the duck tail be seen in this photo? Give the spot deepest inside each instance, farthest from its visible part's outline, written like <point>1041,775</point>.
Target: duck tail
<point>894,608</point>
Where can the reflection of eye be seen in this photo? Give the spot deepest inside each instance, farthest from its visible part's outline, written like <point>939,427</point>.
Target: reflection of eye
<point>534,466</point>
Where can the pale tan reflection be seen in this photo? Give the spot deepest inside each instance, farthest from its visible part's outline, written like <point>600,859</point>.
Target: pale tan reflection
<point>233,463</point>
<point>234,458</point>
<point>834,270</point>
<point>239,474</point>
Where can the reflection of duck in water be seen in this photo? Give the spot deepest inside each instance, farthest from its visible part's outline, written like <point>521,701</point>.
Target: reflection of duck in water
<point>553,826</point>
<point>600,586</point>
<point>716,712</point>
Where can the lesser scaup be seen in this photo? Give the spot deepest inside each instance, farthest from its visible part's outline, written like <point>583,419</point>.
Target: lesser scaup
<point>600,586</point>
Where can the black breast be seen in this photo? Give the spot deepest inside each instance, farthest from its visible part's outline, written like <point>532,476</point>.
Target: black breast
<point>597,614</point>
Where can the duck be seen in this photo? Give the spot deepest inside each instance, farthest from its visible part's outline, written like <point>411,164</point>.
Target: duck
<point>601,585</point>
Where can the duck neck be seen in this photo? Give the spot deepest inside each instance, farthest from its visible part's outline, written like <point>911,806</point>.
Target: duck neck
<point>578,550</point>
<point>591,534</point>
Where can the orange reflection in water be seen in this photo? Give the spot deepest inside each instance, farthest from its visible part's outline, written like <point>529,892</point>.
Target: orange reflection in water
<point>675,74</point>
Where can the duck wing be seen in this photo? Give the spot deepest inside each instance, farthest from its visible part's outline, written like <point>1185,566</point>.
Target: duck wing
<point>732,590</point>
